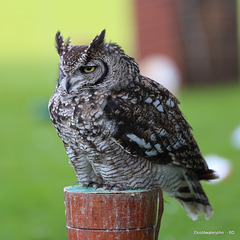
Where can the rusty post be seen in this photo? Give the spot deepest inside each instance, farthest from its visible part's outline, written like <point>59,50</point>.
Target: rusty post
<point>119,215</point>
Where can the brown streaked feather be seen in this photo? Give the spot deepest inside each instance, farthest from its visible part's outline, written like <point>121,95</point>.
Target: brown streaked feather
<point>175,145</point>
<point>59,43</point>
<point>207,175</point>
<point>95,46</point>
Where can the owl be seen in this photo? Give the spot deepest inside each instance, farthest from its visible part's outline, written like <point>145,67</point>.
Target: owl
<point>123,130</point>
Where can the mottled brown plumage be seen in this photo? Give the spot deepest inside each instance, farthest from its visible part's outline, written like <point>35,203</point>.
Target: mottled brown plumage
<point>122,129</point>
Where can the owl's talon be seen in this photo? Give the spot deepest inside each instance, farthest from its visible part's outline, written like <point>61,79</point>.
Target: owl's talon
<point>90,184</point>
<point>93,185</point>
<point>101,185</point>
<point>75,183</point>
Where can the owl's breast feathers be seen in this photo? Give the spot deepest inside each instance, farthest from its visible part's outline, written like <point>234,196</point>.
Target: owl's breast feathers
<point>150,124</point>
<point>80,118</point>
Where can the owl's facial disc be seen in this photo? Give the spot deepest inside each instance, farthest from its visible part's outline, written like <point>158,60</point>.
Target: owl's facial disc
<point>85,76</point>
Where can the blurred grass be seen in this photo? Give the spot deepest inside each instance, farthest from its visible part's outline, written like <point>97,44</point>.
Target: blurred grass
<point>34,165</point>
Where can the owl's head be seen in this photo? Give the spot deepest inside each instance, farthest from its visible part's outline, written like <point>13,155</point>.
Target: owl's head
<point>97,65</point>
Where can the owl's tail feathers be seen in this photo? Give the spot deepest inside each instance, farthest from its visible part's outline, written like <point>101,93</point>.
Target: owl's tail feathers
<point>193,198</point>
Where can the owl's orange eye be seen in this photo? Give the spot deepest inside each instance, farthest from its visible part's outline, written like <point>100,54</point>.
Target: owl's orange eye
<point>89,69</point>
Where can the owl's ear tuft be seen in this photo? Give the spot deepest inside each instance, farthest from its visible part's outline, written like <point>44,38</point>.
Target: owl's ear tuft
<point>97,43</point>
<point>62,47</point>
<point>67,45</point>
<point>59,43</point>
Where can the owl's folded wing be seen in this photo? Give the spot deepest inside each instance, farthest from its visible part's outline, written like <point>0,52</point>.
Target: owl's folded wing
<point>150,124</point>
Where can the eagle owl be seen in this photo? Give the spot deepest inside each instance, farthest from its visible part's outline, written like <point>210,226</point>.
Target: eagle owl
<point>122,129</point>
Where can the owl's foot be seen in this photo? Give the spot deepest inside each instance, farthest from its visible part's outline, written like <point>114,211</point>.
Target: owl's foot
<point>105,186</point>
<point>91,184</point>
<point>97,185</point>
<point>94,185</point>
<point>110,187</point>
<point>116,187</point>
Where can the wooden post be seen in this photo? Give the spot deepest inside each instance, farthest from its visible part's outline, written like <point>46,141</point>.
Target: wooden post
<point>119,215</point>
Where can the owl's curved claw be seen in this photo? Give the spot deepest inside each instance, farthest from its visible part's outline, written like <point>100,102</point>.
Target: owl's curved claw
<point>92,184</point>
<point>75,183</point>
<point>100,185</point>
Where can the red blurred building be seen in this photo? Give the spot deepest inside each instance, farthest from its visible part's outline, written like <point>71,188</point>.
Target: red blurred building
<point>199,36</point>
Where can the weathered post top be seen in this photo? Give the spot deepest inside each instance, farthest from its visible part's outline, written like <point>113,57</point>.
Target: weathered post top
<point>103,214</point>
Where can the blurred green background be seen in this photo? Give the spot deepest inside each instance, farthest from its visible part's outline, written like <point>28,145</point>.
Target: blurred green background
<point>34,166</point>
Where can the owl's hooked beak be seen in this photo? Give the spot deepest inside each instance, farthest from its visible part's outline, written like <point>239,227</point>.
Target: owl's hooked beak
<point>66,84</point>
